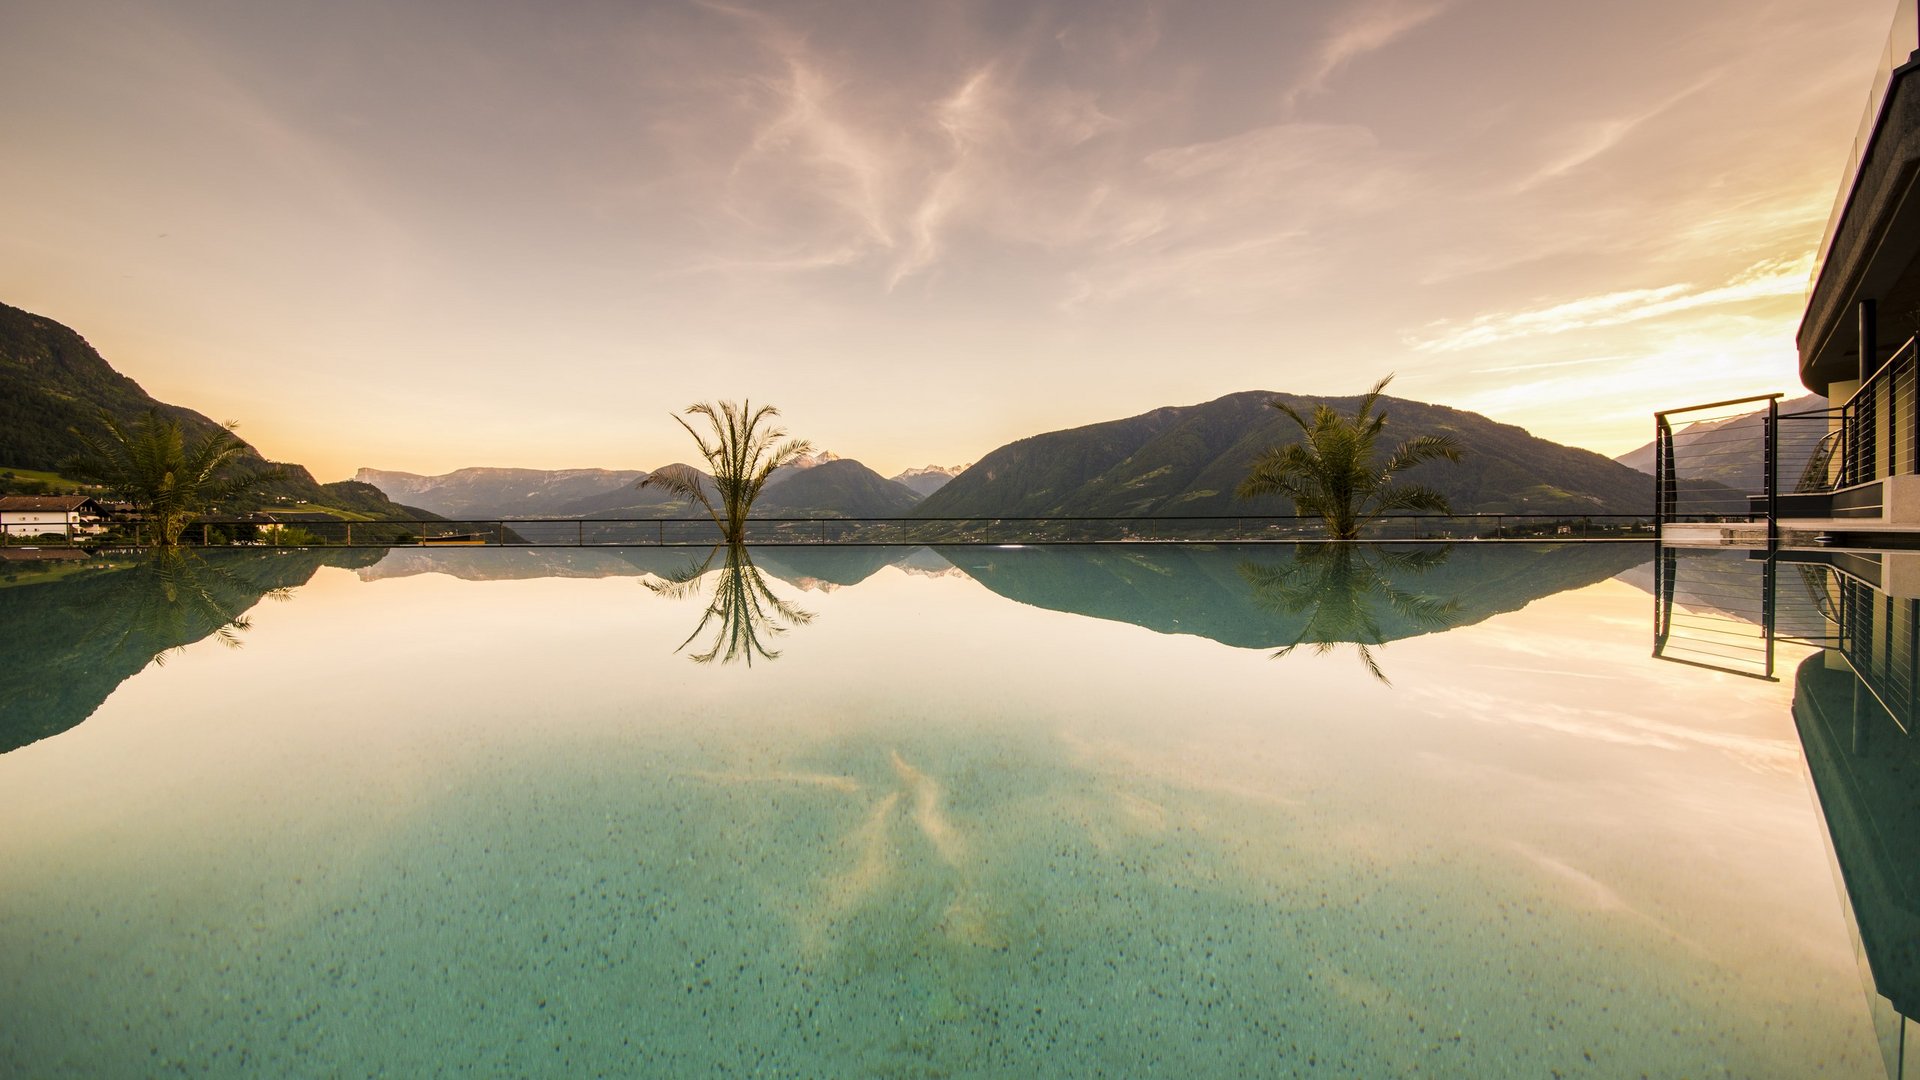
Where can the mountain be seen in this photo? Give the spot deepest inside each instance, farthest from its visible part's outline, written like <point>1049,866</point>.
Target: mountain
<point>51,381</point>
<point>1186,461</point>
<point>929,479</point>
<point>500,493</point>
<point>827,485</point>
<point>804,461</point>
<point>1728,451</point>
<point>838,488</point>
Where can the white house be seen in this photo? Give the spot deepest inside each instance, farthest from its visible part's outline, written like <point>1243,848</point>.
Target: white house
<point>32,516</point>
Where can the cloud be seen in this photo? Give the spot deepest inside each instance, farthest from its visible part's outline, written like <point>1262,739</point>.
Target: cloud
<point>1768,279</point>
<point>1594,139</point>
<point>1368,30</point>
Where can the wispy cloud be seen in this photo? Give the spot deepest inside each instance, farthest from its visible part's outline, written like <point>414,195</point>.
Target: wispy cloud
<point>1764,280</point>
<point>1367,30</point>
<point>1593,139</point>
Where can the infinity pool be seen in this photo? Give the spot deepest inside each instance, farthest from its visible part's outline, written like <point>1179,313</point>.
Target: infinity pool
<point>890,812</point>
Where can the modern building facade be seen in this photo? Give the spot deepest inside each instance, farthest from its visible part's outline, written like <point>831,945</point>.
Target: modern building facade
<point>1857,340</point>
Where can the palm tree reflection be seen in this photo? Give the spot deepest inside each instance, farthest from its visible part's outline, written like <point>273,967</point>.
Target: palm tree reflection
<point>174,597</point>
<point>1341,588</point>
<point>746,611</point>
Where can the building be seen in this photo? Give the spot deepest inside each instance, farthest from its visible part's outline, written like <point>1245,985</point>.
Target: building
<point>35,516</point>
<point>1857,339</point>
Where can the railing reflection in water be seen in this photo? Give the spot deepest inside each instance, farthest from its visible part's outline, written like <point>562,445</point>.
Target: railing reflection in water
<point>1855,708</point>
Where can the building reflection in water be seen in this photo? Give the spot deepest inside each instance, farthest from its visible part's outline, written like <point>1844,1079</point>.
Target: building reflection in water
<point>1854,707</point>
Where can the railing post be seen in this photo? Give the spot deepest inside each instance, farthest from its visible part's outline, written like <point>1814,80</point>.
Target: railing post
<point>1770,456</point>
<point>1659,473</point>
<point>1767,602</point>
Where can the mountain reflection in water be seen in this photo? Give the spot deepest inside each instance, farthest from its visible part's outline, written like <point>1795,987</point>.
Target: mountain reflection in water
<point>72,641</point>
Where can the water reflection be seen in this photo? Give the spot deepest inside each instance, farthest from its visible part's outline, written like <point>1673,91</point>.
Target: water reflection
<point>71,641</point>
<point>743,612</point>
<point>1854,706</point>
<point>1855,709</point>
<point>1279,596</point>
<point>1341,589</point>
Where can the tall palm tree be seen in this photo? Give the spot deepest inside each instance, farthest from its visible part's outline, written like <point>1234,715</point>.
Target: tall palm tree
<point>1333,473</point>
<point>741,456</point>
<point>168,478</point>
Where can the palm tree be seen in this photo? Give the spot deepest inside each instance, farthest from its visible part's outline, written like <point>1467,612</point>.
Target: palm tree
<point>1333,474</point>
<point>166,477</point>
<point>741,457</point>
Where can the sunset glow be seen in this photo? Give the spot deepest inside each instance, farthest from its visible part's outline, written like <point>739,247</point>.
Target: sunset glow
<point>435,235</point>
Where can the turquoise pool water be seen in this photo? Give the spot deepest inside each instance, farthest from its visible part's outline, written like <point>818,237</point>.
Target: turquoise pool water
<point>1035,812</point>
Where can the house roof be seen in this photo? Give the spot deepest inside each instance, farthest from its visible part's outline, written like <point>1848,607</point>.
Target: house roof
<point>41,504</point>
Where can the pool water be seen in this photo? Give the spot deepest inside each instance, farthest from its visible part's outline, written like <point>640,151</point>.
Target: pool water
<point>904,812</point>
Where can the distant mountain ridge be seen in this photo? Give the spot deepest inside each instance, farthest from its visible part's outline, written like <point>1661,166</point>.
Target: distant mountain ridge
<point>930,478</point>
<point>499,493</point>
<point>828,486</point>
<point>1182,461</point>
<point>1176,461</point>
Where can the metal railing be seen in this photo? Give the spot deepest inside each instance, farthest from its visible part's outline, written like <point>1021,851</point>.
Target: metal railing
<point>1713,461</point>
<point>1881,423</point>
<point>702,532</point>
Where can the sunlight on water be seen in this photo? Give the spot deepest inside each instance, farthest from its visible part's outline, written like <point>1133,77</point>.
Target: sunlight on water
<point>1042,812</point>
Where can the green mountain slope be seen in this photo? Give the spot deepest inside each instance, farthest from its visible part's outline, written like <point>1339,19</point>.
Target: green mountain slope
<point>1186,461</point>
<point>52,381</point>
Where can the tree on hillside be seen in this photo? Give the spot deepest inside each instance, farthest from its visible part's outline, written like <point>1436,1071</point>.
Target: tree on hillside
<point>741,456</point>
<point>168,479</point>
<point>1334,473</point>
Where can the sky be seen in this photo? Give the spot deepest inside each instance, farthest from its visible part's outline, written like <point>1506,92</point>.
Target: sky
<point>433,235</point>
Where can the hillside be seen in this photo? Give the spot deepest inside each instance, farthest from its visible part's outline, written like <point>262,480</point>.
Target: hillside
<point>52,381</point>
<point>1186,461</point>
